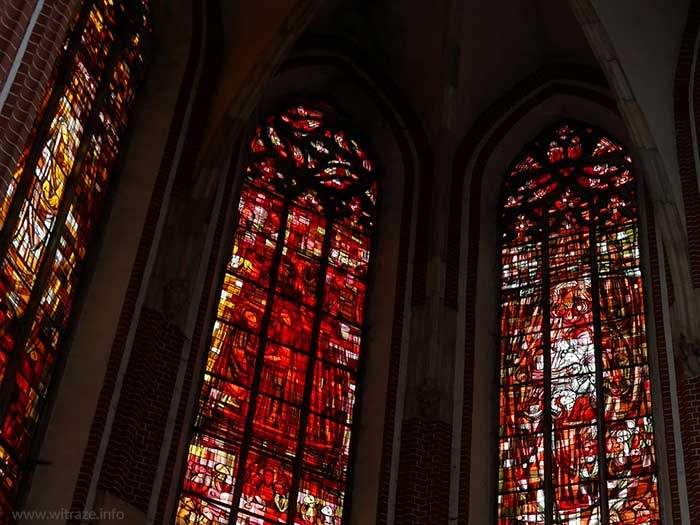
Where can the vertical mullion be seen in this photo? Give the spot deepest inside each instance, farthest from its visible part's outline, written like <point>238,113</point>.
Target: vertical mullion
<point>600,391</point>
<point>39,139</point>
<point>549,495</point>
<point>92,124</point>
<point>308,386</point>
<point>259,361</point>
<point>359,375</point>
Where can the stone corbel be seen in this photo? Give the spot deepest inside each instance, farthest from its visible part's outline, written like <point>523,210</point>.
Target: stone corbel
<point>428,397</point>
<point>175,299</point>
<point>686,335</point>
<point>688,352</point>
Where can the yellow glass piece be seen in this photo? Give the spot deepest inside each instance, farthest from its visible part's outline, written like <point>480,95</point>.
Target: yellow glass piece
<point>8,470</point>
<point>64,135</point>
<point>10,186</point>
<point>17,294</point>
<point>29,240</point>
<point>71,223</point>
<point>97,19</point>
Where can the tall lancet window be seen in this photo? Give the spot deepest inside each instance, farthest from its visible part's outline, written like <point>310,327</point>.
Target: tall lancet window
<point>48,210</point>
<point>576,440</point>
<point>272,433</point>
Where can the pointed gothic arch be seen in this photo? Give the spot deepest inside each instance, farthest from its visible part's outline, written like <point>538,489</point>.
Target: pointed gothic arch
<point>273,429</point>
<point>302,79</point>
<point>576,433</point>
<point>534,106</point>
<point>50,206</point>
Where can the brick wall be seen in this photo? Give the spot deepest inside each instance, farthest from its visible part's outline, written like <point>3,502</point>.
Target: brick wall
<point>14,19</point>
<point>27,91</point>
<point>662,356</point>
<point>423,492</point>
<point>689,388</point>
<point>132,456</point>
<point>137,273</point>
<point>689,406</point>
<point>684,139</point>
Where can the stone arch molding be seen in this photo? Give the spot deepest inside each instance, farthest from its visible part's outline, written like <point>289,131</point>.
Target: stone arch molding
<point>669,211</point>
<point>553,100</point>
<point>541,100</point>
<point>334,77</point>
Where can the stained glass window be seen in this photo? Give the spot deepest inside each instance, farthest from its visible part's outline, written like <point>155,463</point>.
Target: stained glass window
<point>48,210</point>
<point>272,433</point>
<point>576,440</point>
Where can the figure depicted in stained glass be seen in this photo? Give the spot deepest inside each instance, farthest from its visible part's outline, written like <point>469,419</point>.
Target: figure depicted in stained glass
<point>49,210</point>
<point>577,444</point>
<point>278,397</point>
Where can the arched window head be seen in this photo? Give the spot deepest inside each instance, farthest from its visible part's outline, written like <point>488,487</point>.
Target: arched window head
<point>576,440</point>
<point>49,208</point>
<point>272,433</point>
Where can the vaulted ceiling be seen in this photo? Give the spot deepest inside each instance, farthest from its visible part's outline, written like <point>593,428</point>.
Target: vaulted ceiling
<point>454,58</point>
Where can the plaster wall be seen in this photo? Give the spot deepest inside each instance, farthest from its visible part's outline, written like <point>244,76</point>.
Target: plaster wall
<point>646,35</point>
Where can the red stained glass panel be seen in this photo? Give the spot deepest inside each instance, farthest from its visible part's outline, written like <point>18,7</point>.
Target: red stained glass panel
<point>521,465</point>
<point>349,250</point>
<point>521,507</point>
<point>211,469</point>
<point>252,256</point>
<point>204,512</point>
<point>221,406</point>
<point>291,324</point>
<point>327,449</point>
<point>265,488</point>
<point>630,448</point>
<point>522,409</point>
<point>283,373</point>
<point>279,392</point>
<point>333,394</point>
<point>319,499</point>
<point>276,426</point>
<point>345,296</point>
<point>634,500</point>
<point>259,211</point>
<point>575,407</point>
<point>232,354</point>
<point>339,342</point>
<point>242,304</point>
<point>522,359</point>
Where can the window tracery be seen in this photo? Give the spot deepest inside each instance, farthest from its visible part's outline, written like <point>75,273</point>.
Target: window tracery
<point>576,440</point>
<point>272,432</point>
